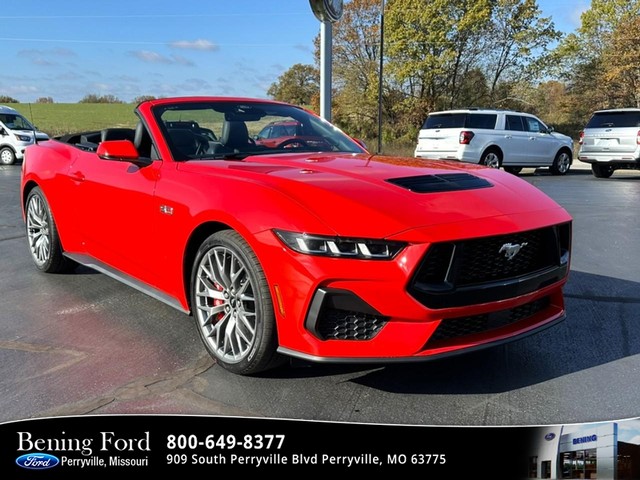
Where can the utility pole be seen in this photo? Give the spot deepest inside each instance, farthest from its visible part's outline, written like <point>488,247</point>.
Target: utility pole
<point>328,12</point>
<point>380,77</point>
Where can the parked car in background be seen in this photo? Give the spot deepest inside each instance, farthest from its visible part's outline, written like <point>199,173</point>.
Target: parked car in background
<point>611,141</point>
<point>496,138</point>
<point>289,134</point>
<point>331,255</point>
<point>16,134</point>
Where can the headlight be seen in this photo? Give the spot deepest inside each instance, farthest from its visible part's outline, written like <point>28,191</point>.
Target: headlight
<point>343,247</point>
<point>23,138</point>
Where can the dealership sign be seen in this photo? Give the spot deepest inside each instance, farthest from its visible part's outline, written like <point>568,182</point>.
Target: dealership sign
<point>586,439</point>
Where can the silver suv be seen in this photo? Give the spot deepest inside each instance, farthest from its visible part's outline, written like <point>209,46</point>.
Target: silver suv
<point>496,138</point>
<point>611,141</point>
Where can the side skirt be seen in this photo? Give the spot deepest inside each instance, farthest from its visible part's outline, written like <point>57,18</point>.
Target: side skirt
<point>95,264</point>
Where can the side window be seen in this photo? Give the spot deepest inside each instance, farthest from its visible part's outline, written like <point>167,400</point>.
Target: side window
<point>481,120</point>
<point>533,125</point>
<point>514,122</point>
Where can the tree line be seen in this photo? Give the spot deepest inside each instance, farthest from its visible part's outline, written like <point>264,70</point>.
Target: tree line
<point>89,98</point>
<point>444,54</point>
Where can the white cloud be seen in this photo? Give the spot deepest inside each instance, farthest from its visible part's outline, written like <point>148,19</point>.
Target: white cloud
<point>155,57</point>
<point>200,44</point>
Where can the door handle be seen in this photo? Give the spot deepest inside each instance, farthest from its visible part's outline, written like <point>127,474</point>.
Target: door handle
<point>507,136</point>
<point>77,176</point>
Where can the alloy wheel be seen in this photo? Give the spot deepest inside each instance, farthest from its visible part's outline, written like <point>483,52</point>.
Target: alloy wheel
<point>226,304</point>
<point>38,230</point>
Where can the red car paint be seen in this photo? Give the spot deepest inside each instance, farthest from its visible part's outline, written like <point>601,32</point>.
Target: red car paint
<point>142,221</point>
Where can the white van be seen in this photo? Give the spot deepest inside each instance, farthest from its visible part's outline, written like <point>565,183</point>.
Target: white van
<point>16,134</point>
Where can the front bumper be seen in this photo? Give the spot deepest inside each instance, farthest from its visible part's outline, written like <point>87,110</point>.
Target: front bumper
<point>342,310</point>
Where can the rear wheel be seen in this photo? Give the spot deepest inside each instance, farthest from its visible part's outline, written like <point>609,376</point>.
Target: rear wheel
<point>7,157</point>
<point>601,171</point>
<point>491,158</point>
<point>42,234</point>
<point>232,305</point>
<point>561,163</point>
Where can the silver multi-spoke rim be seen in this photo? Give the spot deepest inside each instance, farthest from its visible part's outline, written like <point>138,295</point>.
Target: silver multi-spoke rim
<point>563,163</point>
<point>38,230</point>
<point>226,304</point>
<point>6,157</point>
<point>492,160</point>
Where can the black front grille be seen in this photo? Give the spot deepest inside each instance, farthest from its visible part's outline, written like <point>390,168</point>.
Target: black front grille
<point>491,268</point>
<point>337,324</point>
<point>486,259</point>
<point>454,328</point>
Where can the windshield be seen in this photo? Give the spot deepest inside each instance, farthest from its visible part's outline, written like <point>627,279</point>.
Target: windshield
<point>15,122</point>
<point>233,129</point>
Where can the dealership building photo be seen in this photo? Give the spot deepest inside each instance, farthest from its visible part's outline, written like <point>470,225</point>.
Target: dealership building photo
<point>608,450</point>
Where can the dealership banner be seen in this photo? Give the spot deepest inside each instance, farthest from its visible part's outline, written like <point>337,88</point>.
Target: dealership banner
<point>109,445</point>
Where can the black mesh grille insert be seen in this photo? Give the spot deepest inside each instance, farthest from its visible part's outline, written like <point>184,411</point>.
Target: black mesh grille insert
<point>446,182</point>
<point>488,259</point>
<point>463,326</point>
<point>336,324</point>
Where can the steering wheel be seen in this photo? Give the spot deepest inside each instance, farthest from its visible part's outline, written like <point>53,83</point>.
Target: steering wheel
<point>293,143</point>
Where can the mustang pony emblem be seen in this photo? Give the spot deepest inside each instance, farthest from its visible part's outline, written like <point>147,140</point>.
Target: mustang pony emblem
<point>511,249</point>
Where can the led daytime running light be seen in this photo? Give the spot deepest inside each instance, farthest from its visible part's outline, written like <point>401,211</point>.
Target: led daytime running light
<point>327,246</point>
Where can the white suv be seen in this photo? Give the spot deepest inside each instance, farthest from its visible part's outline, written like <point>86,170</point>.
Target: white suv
<point>611,141</point>
<point>496,138</point>
<point>16,134</point>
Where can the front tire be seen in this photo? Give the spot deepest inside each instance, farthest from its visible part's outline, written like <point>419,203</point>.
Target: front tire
<point>7,157</point>
<point>42,234</point>
<point>601,171</point>
<point>561,163</point>
<point>232,305</point>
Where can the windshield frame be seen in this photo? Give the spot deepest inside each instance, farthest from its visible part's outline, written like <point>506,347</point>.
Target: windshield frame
<point>323,137</point>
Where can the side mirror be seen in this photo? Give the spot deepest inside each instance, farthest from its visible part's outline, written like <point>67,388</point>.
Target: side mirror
<point>3,132</point>
<point>550,129</point>
<point>121,150</point>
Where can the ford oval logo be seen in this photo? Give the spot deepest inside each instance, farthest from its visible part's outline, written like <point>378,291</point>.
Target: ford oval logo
<point>37,461</point>
<point>550,436</point>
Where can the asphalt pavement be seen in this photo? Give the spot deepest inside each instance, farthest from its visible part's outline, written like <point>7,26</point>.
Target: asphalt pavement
<point>83,343</point>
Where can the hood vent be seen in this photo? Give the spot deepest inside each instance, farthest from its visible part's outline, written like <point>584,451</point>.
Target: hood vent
<point>446,182</point>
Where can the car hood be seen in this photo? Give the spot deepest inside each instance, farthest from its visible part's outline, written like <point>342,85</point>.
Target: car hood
<point>562,137</point>
<point>381,196</point>
<point>39,135</point>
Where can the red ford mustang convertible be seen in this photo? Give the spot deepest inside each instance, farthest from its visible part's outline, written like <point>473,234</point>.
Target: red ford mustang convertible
<point>289,250</point>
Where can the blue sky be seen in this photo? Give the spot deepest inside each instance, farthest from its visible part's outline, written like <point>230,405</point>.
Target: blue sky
<point>66,49</point>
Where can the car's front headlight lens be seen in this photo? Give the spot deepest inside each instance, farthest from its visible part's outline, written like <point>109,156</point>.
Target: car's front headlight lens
<point>343,247</point>
<point>23,138</point>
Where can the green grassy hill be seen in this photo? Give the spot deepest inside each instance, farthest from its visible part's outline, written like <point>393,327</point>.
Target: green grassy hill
<point>60,118</point>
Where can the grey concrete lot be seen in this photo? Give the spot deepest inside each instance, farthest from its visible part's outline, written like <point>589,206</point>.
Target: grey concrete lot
<point>83,343</point>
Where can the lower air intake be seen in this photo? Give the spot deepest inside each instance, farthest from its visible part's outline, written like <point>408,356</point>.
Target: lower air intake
<point>460,327</point>
<point>337,324</point>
